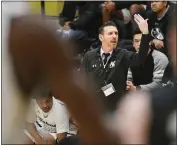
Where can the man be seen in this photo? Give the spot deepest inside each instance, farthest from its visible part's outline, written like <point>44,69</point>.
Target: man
<point>149,75</point>
<point>107,66</point>
<point>32,55</point>
<point>48,119</point>
<point>158,23</point>
<point>150,118</point>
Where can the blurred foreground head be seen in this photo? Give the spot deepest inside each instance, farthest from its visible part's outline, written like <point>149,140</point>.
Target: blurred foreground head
<point>172,39</point>
<point>32,56</point>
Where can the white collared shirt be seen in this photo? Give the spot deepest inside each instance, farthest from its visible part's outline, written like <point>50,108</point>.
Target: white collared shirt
<point>102,56</point>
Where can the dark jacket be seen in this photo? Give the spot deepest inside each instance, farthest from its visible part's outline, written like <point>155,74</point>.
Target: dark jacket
<point>117,75</point>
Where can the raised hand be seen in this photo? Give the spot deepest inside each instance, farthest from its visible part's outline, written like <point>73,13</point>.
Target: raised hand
<point>142,23</point>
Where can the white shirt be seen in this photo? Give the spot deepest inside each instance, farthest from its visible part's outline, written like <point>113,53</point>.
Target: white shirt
<point>102,56</point>
<point>53,122</point>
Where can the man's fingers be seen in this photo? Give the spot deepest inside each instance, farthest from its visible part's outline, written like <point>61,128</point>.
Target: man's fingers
<point>136,21</point>
<point>129,82</point>
<point>140,17</point>
<point>137,17</point>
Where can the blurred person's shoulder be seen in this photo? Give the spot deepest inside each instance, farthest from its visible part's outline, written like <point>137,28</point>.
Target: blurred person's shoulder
<point>164,97</point>
<point>163,91</point>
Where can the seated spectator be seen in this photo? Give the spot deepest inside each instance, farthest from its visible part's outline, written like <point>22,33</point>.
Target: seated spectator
<point>48,120</point>
<point>159,24</point>
<point>69,11</point>
<point>86,24</point>
<point>122,9</point>
<point>149,75</point>
<point>121,13</point>
<point>159,16</point>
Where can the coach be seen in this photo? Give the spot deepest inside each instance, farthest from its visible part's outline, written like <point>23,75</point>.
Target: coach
<point>108,65</point>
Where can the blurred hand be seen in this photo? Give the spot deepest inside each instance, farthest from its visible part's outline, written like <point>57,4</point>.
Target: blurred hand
<point>66,25</point>
<point>158,43</point>
<point>105,9</point>
<point>106,12</point>
<point>130,86</point>
<point>109,5</point>
<point>142,23</point>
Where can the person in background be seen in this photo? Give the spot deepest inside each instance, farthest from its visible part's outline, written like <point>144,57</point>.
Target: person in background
<point>48,119</point>
<point>158,23</point>
<point>149,75</point>
<point>121,13</point>
<point>87,23</point>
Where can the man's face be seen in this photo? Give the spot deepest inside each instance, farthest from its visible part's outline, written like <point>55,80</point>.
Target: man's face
<point>45,103</point>
<point>109,37</point>
<point>157,6</point>
<point>137,41</point>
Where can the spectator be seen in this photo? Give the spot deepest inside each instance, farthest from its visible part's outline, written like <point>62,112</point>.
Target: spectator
<point>108,65</point>
<point>69,11</point>
<point>86,24</point>
<point>121,9</point>
<point>48,119</point>
<point>118,11</point>
<point>149,75</point>
<point>158,22</point>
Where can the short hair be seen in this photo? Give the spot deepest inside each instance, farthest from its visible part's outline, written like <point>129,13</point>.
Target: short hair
<point>109,23</point>
<point>136,31</point>
<point>42,92</point>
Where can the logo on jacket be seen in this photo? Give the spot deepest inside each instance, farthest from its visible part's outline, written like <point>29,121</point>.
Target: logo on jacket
<point>157,33</point>
<point>112,64</point>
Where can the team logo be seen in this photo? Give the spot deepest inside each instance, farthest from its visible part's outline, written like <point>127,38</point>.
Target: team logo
<point>157,33</point>
<point>112,64</point>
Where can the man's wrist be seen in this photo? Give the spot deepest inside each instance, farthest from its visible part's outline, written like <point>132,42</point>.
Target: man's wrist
<point>145,33</point>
